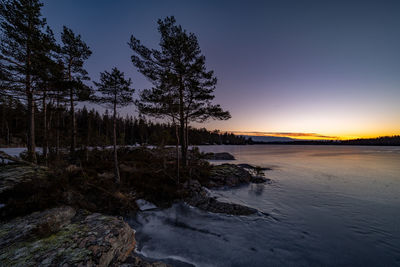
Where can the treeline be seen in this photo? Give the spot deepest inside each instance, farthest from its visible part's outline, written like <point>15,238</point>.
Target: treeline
<point>95,129</point>
<point>379,141</point>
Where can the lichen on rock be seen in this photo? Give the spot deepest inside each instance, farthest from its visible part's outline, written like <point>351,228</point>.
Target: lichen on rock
<point>12,175</point>
<point>65,237</point>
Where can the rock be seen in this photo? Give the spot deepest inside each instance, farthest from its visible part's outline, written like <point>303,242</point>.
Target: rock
<point>73,168</point>
<point>145,205</point>
<point>219,156</point>
<point>200,199</point>
<point>63,237</point>
<point>126,168</point>
<point>37,224</point>
<point>251,167</point>
<point>8,159</point>
<point>13,175</point>
<point>106,175</point>
<point>228,175</point>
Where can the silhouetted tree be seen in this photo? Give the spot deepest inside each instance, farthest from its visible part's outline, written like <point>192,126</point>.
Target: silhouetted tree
<point>50,80</point>
<point>74,53</point>
<point>182,86</point>
<point>23,47</point>
<point>115,91</point>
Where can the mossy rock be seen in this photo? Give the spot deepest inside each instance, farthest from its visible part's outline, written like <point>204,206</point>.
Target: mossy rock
<point>72,238</point>
<point>13,175</point>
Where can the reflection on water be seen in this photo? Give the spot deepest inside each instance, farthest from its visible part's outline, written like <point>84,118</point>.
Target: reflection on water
<point>326,206</point>
<point>256,189</point>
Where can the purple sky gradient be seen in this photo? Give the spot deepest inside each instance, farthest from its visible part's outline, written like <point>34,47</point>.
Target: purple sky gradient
<point>326,67</point>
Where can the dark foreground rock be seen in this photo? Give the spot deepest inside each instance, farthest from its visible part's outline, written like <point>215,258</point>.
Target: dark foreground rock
<point>200,199</point>
<point>63,236</point>
<point>219,156</point>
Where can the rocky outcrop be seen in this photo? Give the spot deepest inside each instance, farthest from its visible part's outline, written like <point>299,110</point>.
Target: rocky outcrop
<point>251,167</point>
<point>228,175</point>
<point>219,156</point>
<point>65,237</point>
<point>200,199</point>
<point>12,175</point>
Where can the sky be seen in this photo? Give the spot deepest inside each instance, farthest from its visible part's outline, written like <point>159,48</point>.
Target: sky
<point>304,69</point>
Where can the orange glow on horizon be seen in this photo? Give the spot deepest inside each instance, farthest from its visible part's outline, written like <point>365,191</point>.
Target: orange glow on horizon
<point>309,136</point>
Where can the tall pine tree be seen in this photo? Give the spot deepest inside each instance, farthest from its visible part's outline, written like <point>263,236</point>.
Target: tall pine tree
<point>74,53</point>
<point>23,48</point>
<point>114,91</point>
<point>182,87</point>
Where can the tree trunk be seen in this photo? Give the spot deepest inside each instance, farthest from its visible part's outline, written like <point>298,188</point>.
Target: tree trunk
<point>177,149</point>
<point>72,114</point>
<point>182,127</point>
<point>187,134</point>
<point>58,128</point>
<point>116,169</point>
<point>87,139</point>
<point>31,104</point>
<point>45,140</point>
<point>31,127</point>
<point>50,132</point>
<point>73,125</point>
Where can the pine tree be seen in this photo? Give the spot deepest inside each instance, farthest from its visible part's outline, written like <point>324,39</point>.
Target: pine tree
<point>182,86</point>
<point>74,53</point>
<point>23,48</point>
<point>49,82</point>
<point>116,92</point>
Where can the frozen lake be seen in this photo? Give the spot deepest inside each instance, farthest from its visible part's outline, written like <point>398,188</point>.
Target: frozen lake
<point>327,206</point>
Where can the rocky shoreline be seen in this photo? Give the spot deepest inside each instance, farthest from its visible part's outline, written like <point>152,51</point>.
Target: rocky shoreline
<point>64,236</point>
<point>222,176</point>
<point>64,233</point>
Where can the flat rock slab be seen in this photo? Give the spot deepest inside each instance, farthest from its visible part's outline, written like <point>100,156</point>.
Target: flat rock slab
<point>12,175</point>
<point>64,237</point>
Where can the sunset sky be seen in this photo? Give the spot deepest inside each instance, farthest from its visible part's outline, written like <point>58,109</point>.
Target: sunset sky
<point>303,69</point>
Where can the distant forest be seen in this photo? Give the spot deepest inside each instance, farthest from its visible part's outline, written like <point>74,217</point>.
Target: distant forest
<point>379,141</point>
<point>94,128</point>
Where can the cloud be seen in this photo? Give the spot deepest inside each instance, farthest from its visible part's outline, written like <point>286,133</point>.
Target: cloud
<point>287,134</point>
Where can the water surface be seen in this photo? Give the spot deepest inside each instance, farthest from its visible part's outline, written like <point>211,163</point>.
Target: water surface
<point>326,206</point>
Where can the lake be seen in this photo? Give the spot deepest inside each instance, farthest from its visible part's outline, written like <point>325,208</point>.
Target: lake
<point>325,206</point>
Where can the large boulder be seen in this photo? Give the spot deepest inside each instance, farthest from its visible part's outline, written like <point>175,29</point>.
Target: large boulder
<point>64,237</point>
